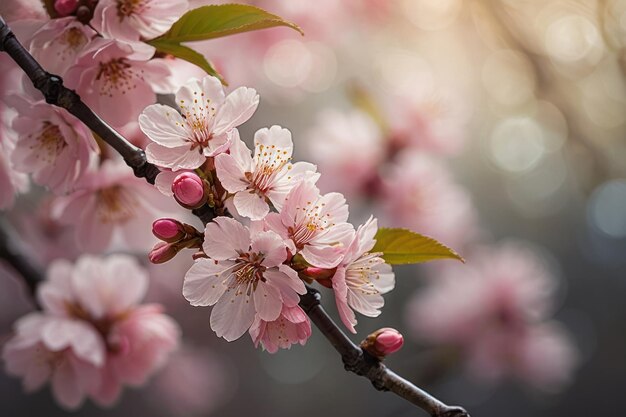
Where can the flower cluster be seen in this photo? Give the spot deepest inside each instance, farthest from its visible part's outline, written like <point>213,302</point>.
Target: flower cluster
<point>99,49</point>
<point>92,336</point>
<point>252,269</point>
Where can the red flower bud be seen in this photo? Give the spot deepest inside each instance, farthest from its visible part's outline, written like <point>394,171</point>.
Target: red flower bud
<point>162,252</point>
<point>383,342</point>
<point>65,7</point>
<point>168,230</point>
<point>188,190</point>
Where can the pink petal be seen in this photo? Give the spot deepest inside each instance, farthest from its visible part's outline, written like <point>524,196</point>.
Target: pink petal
<point>250,204</point>
<point>233,314</point>
<point>205,282</point>
<point>224,238</point>
<point>267,301</point>
<point>230,174</point>
<point>271,246</point>
<point>238,107</point>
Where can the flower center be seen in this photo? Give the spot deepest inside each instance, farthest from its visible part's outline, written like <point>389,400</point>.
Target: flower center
<point>50,143</point>
<point>74,38</point>
<point>126,8</point>
<point>249,271</point>
<point>117,74</point>
<point>270,160</point>
<point>116,205</point>
<point>198,116</point>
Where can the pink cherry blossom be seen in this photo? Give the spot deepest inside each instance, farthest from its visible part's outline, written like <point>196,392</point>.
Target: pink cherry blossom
<point>291,327</point>
<point>266,178</point>
<point>58,43</point>
<point>64,352</point>
<point>314,225</point>
<point>419,193</point>
<point>492,309</point>
<point>53,145</point>
<point>130,20</point>
<point>204,129</point>
<point>243,277</point>
<point>361,277</point>
<point>112,206</point>
<point>103,295</point>
<point>348,148</point>
<point>432,121</point>
<point>118,80</point>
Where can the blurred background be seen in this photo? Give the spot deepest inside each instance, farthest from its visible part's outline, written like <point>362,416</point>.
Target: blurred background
<point>497,127</point>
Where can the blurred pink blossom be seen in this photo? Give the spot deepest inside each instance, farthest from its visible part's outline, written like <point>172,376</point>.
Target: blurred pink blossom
<point>131,20</point>
<point>492,310</point>
<point>243,277</point>
<point>12,10</point>
<point>118,80</point>
<point>291,327</point>
<point>419,193</point>
<point>266,178</point>
<point>93,336</point>
<point>314,225</point>
<point>205,127</point>
<point>112,203</point>
<point>361,277</point>
<point>348,149</point>
<point>66,353</point>
<point>54,146</point>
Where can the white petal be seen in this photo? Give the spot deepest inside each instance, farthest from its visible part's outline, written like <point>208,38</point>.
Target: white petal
<point>230,174</point>
<point>238,107</point>
<point>204,282</point>
<point>250,204</point>
<point>233,315</point>
<point>163,125</point>
<point>181,157</point>
<point>272,246</point>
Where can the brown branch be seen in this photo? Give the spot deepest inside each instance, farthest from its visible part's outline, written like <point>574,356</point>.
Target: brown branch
<point>354,358</point>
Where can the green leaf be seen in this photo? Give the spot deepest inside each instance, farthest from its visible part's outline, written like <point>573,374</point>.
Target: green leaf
<point>402,246</point>
<point>188,54</point>
<point>215,21</point>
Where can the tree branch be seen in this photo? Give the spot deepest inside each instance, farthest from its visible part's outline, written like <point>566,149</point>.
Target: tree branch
<point>14,256</point>
<point>354,358</point>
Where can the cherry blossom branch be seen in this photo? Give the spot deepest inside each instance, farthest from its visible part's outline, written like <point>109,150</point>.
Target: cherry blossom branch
<point>52,88</point>
<point>354,358</point>
<point>362,363</point>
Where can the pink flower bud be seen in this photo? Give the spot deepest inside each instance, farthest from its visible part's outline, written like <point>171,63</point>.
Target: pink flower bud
<point>162,252</point>
<point>388,341</point>
<point>188,190</point>
<point>383,342</point>
<point>168,230</point>
<point>65,7</point>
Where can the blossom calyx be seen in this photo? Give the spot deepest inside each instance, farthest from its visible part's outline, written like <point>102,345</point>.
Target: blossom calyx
<point>383,342</point>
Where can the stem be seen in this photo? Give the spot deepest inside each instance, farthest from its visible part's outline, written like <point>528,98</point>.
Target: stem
<point>354,358</point>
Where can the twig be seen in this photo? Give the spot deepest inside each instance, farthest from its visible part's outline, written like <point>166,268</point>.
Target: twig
<point>354,358</point>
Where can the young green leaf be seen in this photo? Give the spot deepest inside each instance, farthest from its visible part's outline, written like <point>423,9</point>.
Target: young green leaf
<point>215,21</point>
<point>402,246</point>
<point>188,54</point>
